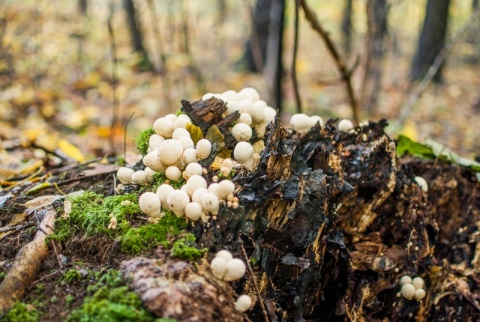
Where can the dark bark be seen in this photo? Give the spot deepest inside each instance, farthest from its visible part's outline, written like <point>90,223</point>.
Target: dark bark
<point>263,51</point>
<point>136,35</point>
<point>83,7</point>
<point>347,27</point>
<point>431,40</point>
<point>377,16</point>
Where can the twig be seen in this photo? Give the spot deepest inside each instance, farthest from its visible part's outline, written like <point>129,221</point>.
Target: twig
<point>47,276</point>
<point>16,228</point>
<point>342,68</point>
<point>113,51</point>
<point>257,289</point>
<point>410,103</point>
<point>125,138</point>
<point>294,61</point>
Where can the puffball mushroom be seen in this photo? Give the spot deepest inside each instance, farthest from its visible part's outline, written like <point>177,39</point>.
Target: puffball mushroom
<point>204,147</point>
<point>189,156</point>
<point>162,193</point>
<point>186,142</point>
<point>270,114</point>
<point>193,168</point>
<point>177,200</point>
<point>245,118</point>
<point>210,203</point>
<point>242,132</point>
<point>195,182</point>
<point>181,123</point>
<point>243,153</point>
<point>422,183</point>
<point>155,140</point>
<point>405,279</point>
<point>314,119</point>
<point>419,294</point>
<point>225,254</point>
<point>300,122</point>
<point>193,211</point>
<point>248,93</point>
<point>124,174</point>
<point>235,270</point>
<point>170,151</point>
<point>246,106</point>
<point>139,177</point>
<point>225,187</point>
<point>408,291</point>
<point>152,160</point>
<point>218,266</point>
<point>173,173</point>
<point>150,204</point>
<point>345,125</point>
<point>178,133</point>
<point>232,106</point>
<point>418,282</point>
<point>149,174</point>
<point>164,127</point>
<point>198,195</point>
<point>243,303</point>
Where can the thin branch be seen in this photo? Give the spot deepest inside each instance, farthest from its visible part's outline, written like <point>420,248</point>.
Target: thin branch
<point>341,66</point>
<point>125,138</point>
<point>113,50</point>
<point>412,99</point>
<point>298,100</point>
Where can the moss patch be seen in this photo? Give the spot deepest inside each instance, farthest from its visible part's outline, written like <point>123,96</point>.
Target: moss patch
<point>21,312</point>
<point>142,140</point>
<point>186,248</point>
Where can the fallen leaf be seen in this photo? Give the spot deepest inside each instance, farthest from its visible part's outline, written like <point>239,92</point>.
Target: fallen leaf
<point>42,201</point>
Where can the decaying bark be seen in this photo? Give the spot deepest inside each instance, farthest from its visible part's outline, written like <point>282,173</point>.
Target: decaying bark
<point>331,220</point>
<point>27,263</point>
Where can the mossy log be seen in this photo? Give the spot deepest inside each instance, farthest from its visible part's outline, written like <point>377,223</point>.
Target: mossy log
<point>330,221</point>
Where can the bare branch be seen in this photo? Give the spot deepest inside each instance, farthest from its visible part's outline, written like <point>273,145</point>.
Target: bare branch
<point>294,61</point>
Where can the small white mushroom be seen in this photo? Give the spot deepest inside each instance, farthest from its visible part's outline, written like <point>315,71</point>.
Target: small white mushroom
<point>230,94</point>
<point>195,182</point>
<point>139,177</point>
<point>149,174</point>
<point>178,133</point>
<point>218,266</point>
<point>181,123</point>
<point>408,291</point>
<point>419,294</point>
<point>314,119</point>
<point>405,279</point>
<point>210,203</point>
<point>345,125</point>
<point>124,175</point>
<point>189,156</point>
<point>248,93</point>
<point>170,151</point>
<point>177,200</point>
<point>232,106</point>
<point>235,270</point>
<point>173,173</point>
<point>171,117</point>
<point>198,195</point>
<point>204,147</point>
<point>242,132</point>
<point>243,153</point>
<point>207,96</point>
<point>225,254</point>
<point>243,303</point>
<point>225,187</point>
<point>152,160</point>
<point>193,168</point>
<point>213,188</point>
<point>245,118</point>
<point>418,282</point>
<point>422,183</point>
<point>162,193</point>
<point>270,114</point>
<point>193,211</point>
<point>246,106</point>
<point>164,127</point>
<point>155,141</point>
<point>258,113</point>
<point>150,204</point>
<point>300,122</point>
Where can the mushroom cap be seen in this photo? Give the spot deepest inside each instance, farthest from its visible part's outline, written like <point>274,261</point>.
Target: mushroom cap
<point>408,291</point>
<point>270,114</point>
<point>419,294</point>
<point>149,174</point>
<point>186,142</point>
<point>218,266</point>
<point>162,192</point>
<point>170,151</point>
<point>198,195</point>
<point>228,163</point>
<point>258,113</point>
<point>225,187</point>
<point>193,168</point>
<point>235,270</point>
<point>164,127</point>
<point>189,156</point>
<point>213,188</point>
<point>193,211</point>
<point>418,282</point>
<point>422,183</point>
<point>195,182</point>
<point>248,93</point>
<point>314,119</point>
<point>181,123</point>
<point>173,173</point>
<point>150,204</point>
<point>177,200</point>
<point>245,118</point>
<point>155,140</point>
<point>124,174</point>
<point>246,106</point>
<point>232,106</point>
<point>243,152</point>
<point>243,303</point>
<point>225,254</point>
<point>405,279</point>
<point>139,177</point>
<point>179,132</point>
<point>230,94</point>
<point>300,122</point>
<point>204,147</point>
<point>152,160</point>
<point>345,125</point>
<point>242,132</point>
<point>210,203</point>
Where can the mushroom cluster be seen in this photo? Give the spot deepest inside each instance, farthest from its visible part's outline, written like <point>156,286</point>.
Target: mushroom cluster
<point>226,268</point>
<point>412,288</point>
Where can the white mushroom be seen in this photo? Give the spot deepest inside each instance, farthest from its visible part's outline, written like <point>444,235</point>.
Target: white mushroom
<point>345,125</point>
<point>189,156</point>
<point>181,123</point>
<point>243,303</point>
<point>270,114</point>
<point>248,93</point>
<point>245,118</point>
<point>198,195</point>
<point>405,279</point>
<point>235,270</point>
<point>232,106</point>
<point>149,174</point>
<point>177,200</point>
<point>170,151</point>
<point>218,266</point>
<point>419,294</point>
<point>178,133</point>
<point>243,153</point>
<point>164,127</point>
<point>213,188</point>
<point>186,142</point>
<point>314,119</point>
<point>225,254</point>
<point>225,187</point>
<point>162,193</point>
<point>242,132</point>
<point>152,160</point>
<point>173,173</point>
<point>155,140</point>
<point>139,177</point>
<point>210,203</point>
<point>150,204</point>
<point>124,175</point>
<point>193,211</point>
<point>418,282</point>
<point>204,147</point>
<point>230,94</point>
<point>408,291</point>
<point>246,106</point>
<point>300,122</point>
<point>193,168</point>
<point>422,183</point>
<point>195,182</point>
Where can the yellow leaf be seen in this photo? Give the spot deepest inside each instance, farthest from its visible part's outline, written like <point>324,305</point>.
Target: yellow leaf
<point>70,150</point>
<point>195,132</point>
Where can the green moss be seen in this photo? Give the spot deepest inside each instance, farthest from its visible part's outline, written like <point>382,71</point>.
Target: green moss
<point>185,248</point>
<point>69,299</point>
<point>21,312</point>
<point>161,178</point>
<point>142,140</point>
<point>110,300</point>
<point>146,237</point>
<point>72,276</point>
<point>2,276</point>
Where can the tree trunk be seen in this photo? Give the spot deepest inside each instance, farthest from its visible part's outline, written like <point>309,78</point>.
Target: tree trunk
<point>263,51</point>
<point>347,27</point>
<point>136,35</point>
<point>377,15</point>
<point>83,7</point>
<point>431,40</point>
